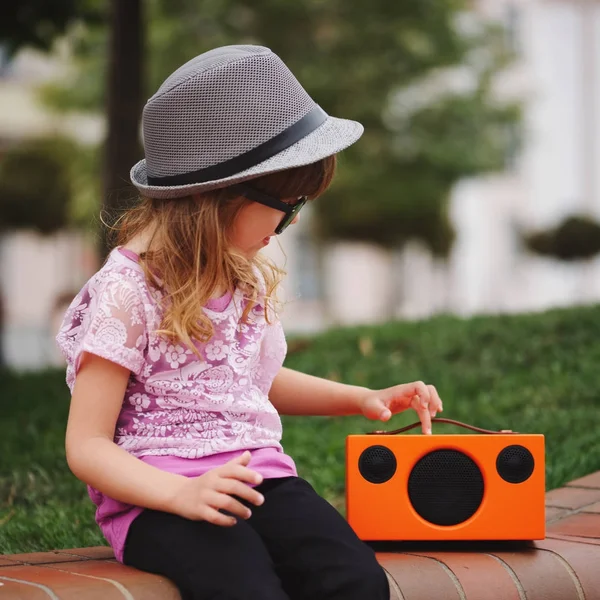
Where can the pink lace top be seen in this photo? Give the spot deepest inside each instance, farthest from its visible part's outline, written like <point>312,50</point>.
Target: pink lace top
<point>179,413</point>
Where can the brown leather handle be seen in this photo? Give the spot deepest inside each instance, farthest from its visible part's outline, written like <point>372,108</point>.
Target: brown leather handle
<point>441,420</point>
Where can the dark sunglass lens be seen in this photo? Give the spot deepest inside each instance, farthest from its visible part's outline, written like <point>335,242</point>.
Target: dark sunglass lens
<point>291,216</point>
<point>284,223</point>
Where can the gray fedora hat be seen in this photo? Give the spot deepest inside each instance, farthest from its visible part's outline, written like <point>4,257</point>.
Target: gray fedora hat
<point>229,115</point>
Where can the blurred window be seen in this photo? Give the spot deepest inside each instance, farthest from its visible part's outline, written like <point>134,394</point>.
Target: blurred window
<point>513,146</point>
<point>307,267</point>
<point>512,27</point>
<point>4,62</point>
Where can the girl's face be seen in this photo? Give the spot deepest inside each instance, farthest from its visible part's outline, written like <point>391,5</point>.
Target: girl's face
<point>255,225</point>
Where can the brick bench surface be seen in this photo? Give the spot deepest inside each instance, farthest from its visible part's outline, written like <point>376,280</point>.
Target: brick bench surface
<point>565,566</point>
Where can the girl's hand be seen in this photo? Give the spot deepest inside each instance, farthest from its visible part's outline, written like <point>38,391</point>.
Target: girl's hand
<point>382,404</point>
<point>201,498</point>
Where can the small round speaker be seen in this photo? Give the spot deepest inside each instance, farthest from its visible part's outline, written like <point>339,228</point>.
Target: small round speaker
<point>445,487</point>
<point>377,464</point>
<point>515,464</point>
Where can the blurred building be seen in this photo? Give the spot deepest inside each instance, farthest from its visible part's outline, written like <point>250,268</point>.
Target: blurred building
<point>553,175</point>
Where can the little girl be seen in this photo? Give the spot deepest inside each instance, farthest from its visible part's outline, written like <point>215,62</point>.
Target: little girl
<point>174,349</point>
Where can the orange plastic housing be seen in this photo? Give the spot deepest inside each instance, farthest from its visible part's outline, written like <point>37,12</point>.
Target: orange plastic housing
<point>384,511</point>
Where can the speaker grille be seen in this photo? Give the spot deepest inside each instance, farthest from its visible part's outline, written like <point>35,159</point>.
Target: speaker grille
<point>377,464</point>
<point>515,464</point>
<point>445,487</point>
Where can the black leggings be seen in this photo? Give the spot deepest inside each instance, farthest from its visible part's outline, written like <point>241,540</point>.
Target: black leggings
<point>295,546</point>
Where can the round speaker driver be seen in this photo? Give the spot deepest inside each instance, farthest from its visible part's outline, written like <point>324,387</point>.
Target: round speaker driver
<point>377,464</point>
<point>445,487</point>
<point>515,464</point>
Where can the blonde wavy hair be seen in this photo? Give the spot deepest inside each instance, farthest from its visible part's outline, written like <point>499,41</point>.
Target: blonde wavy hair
<point>190,257</point>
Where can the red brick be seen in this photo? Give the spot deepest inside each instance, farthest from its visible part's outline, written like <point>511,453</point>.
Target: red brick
<point>541,575</point>
<point>572,498</point>
<point>419,578</point>
<point>64,585</point>
<point>139,584</point>
<point>39,558</point>
<point>593,508</point>
<point>553,513</point>
<point>581,524</point>
<point>96,553</point>
<point>583,559</point>
<point>395,592</point>
<point>480,576</point>
<point>573,538</point>
<point>589,481</point>
<point>12,590</point>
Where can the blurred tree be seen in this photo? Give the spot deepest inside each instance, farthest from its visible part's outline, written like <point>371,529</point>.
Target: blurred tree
<point>418,74</point>
<point>38,22</point>
<point>36,185</point>
<point>124,104</point>
<point>576,238</point>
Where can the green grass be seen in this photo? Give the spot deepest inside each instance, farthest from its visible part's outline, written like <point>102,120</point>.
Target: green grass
<point>531,373</point>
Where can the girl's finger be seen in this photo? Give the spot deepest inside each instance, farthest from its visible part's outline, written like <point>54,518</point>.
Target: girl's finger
<point>421,390</point>
<point>381,410</point>
<point>240,473</point>
<point>421,407</point>
<point>232,487</point>
<point>225,502</point>
<point>215,517</point>
<point>435,403</point>
<point>425,418</point>
<point>375,408</point>
<point>242,459</point>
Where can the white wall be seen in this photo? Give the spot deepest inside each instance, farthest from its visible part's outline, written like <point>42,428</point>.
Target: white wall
<point>34,272</point>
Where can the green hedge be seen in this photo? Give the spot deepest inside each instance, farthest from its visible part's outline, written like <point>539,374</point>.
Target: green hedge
<point>531,373</point>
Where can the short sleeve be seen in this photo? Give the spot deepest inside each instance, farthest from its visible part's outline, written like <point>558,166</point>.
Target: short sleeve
<point>107,319</point>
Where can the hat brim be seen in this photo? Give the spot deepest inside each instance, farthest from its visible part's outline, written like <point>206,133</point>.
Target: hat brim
<point>333,136</point>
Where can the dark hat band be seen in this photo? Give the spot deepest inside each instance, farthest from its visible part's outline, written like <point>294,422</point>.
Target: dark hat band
<point>300,129</point>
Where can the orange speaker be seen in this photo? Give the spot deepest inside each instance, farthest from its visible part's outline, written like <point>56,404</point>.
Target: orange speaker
<point>488,486</point>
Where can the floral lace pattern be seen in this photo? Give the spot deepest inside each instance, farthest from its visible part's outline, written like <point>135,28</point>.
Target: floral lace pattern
<point>176,404</point>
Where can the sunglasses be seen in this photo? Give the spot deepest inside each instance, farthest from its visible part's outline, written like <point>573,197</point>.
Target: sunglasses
<point>290,210</point>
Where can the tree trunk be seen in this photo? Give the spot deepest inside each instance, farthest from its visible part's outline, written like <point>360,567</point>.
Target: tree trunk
<point>125,89</point>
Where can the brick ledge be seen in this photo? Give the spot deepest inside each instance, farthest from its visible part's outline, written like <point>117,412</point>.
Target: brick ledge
<point>564,566</point>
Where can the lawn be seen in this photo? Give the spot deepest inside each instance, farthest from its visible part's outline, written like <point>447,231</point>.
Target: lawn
<point>531,373</point>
